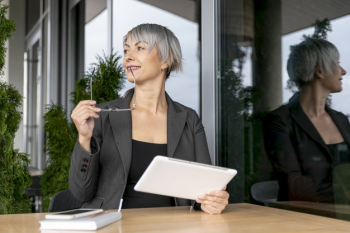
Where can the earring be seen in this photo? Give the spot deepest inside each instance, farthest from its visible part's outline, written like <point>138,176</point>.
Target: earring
<point>162,68</point>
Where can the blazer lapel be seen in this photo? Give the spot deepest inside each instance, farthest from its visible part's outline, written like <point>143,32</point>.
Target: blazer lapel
<point>176,120</point>
<point>304,122</point>
<point>121,126</point>
<point>341,123</point>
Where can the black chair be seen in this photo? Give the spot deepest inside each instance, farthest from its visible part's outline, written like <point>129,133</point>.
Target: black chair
<point>341,184</point>
<point>264,192</point>
<point>62,201</point>
<point>33,191</point>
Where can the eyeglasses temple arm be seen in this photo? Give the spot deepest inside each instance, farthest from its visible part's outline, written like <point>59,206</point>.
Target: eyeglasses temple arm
<point>134,105</point>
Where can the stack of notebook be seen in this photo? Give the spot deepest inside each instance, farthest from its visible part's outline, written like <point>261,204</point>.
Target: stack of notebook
<point>84,223</point>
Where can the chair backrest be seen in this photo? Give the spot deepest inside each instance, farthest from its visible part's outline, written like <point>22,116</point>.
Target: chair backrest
<point>62,201</point>
<point>341,183</point>
<point>264,192</point>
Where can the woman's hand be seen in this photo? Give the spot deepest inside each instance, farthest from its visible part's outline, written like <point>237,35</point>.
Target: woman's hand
<point>213,202</point>
<point>83,117</point>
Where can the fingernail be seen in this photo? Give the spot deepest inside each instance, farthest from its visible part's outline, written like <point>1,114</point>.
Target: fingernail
<point>200,197</point>
<point>208,192</point>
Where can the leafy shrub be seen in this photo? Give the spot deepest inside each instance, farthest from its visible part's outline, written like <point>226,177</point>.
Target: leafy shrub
<point>14,176</point>
<point>61,133</point>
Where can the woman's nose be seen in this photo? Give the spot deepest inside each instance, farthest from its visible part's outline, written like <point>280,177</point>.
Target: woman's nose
<point>343,72</point>
<point>129,57</point>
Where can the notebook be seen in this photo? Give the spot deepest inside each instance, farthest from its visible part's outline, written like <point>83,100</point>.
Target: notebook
<point>85,223</point>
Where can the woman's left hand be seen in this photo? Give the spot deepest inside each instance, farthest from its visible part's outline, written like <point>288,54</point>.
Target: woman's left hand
<point>213,202</point>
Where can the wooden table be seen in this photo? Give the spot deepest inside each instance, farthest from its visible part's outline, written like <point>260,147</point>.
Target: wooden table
<point>236,218</point>
<point>337,211</point>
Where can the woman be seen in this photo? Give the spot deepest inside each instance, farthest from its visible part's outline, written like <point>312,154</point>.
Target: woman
<point>305,138</point>
<point>114,149</point>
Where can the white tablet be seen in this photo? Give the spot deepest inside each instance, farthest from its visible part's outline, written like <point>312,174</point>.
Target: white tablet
<point>182,179</point>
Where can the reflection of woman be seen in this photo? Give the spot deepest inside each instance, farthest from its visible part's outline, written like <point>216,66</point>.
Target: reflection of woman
<point>115,148</point>
<point>305,138</point>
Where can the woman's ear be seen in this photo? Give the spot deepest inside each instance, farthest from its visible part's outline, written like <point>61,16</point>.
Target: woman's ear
<point>319,74</point>
<point>164,66</point>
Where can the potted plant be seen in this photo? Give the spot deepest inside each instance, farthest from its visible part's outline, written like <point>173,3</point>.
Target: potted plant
<point>61,133</point>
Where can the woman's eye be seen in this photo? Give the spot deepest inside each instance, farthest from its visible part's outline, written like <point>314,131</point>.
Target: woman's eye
<point>125,51</point>
<point>140,48</point>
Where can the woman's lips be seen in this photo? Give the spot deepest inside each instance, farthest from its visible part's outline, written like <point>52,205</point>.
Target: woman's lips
<point>133,67</point>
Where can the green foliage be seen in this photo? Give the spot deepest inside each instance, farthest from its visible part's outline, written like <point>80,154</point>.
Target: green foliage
<point>107,80</point>
<point>321,29</point>
<point>7,27</point>
<point>61,133</point>
<point>14,176</point>
<point>60,140</point>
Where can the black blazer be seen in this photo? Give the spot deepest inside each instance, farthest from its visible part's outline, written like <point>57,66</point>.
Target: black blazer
<point>98,180</point>
<point>299,156</point>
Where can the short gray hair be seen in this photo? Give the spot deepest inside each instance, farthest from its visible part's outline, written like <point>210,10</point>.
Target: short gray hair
<point>309,55</point>
<point>168,45</point>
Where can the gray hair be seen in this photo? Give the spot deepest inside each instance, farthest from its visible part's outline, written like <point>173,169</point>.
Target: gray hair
<point>168,45</point>
<point>309,55</point>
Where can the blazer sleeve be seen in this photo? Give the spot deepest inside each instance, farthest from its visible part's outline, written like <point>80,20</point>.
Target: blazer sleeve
<point>85,167</point>
<point>280,148</point>
<point>200,141</point>
<point>201,152</point>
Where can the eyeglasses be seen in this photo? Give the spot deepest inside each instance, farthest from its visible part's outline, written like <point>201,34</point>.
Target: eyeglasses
<point>116,109</point>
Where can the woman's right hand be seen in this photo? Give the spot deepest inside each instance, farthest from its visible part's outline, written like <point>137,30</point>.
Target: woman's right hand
<point>83,117</point>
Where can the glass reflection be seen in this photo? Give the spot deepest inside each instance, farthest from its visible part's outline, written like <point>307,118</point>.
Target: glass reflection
<point>254,38</point>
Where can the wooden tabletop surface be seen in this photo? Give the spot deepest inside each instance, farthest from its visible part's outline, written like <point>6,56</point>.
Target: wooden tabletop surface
<point>236,218</point>
<point>338,211</point>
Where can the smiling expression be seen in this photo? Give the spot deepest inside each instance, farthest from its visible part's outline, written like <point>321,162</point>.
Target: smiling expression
<point>333,82</point>
<point>145,64</point>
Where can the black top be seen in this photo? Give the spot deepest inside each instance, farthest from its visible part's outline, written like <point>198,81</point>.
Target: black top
<point>340,152</point>
<point>142,155</point>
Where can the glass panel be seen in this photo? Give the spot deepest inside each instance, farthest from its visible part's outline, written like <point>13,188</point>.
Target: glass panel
<point>336,36</point>
<point>32,13</point>
<point>33,92</point>
<point>297,146</point>
<point>45,5</point>
<point>95,38</point>
<point>234,60</point>
<point>45,87</point>
<point>25,102</point>
<point>128,14</point>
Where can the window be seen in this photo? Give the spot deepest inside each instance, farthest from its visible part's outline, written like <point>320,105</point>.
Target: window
<point>181,19</point>
<point>95,38</point>
<point>254,43</point>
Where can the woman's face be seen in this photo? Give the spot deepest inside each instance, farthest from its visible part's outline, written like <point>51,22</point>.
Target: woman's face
<point>333,81</point>
<point>145,65</point>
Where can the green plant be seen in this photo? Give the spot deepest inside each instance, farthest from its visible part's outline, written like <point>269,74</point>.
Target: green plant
<point>7,27</point>
<point>14,176</point>
<point>61,133</point>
